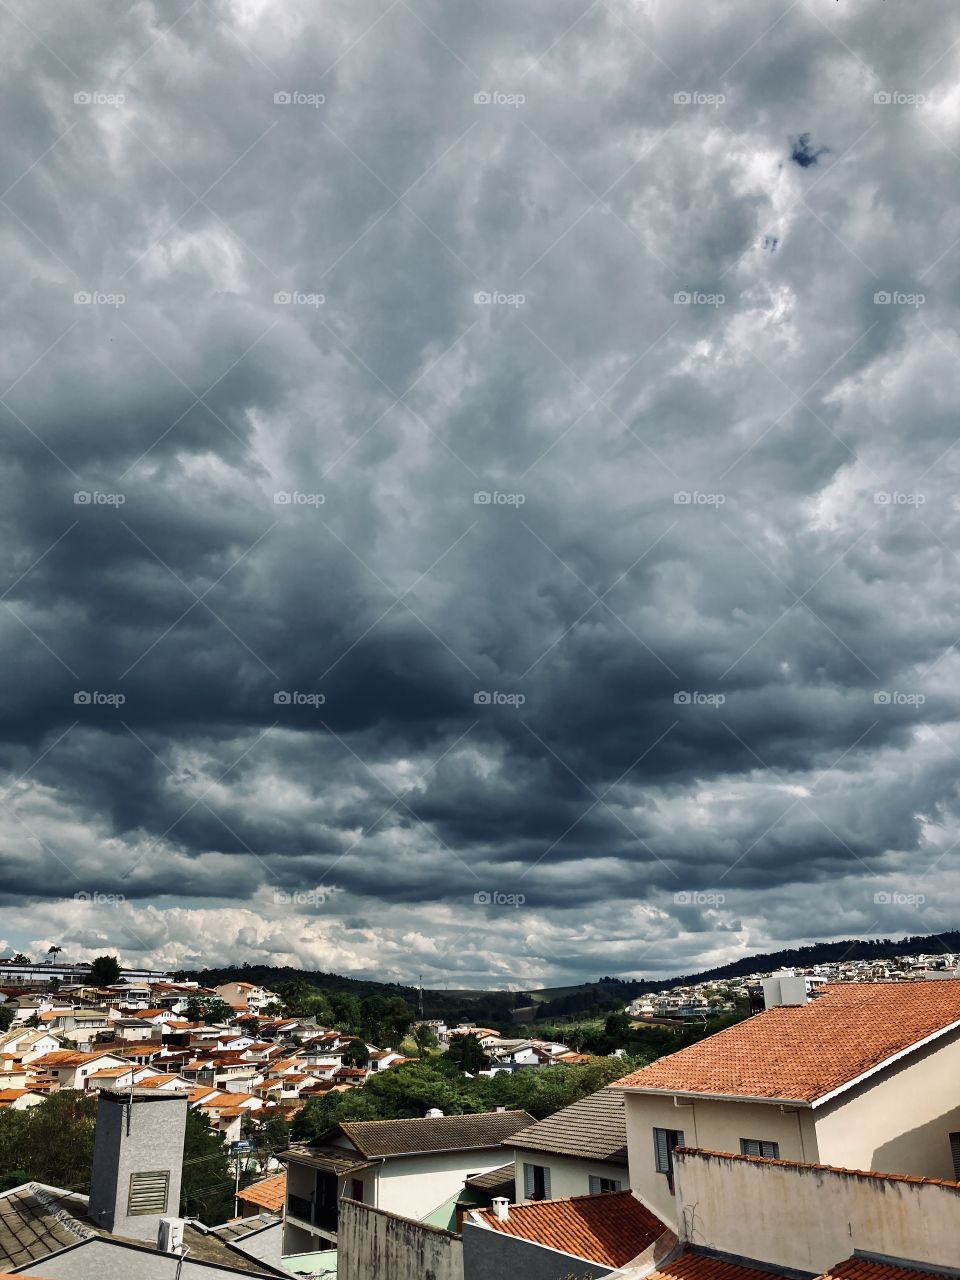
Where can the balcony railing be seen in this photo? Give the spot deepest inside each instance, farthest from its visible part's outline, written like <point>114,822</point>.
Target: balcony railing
<point>317,1215</point>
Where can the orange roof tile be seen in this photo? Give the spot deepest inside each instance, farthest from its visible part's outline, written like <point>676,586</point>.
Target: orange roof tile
<point>609,1229</point>
<point>270,1194</point>
<point>866,1269</point>
<point>803,1053</point>
<point>693,1265</point>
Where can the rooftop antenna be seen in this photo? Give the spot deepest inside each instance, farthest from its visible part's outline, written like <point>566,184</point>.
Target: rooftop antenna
<point>421,996</point>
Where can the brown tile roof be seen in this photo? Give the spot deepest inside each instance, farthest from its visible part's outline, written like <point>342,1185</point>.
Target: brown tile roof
<point>496,1180</point>
<point>691,1264</point>
<point>434,1133</point>
<point>867,1269</point>
<point>594,1128</point>
<point>607,1229</point>
<point>804,1052</point>
<point>270,1194</point>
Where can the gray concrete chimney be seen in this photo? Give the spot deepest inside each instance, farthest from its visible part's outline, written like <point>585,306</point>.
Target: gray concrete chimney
<point>137,1161</point>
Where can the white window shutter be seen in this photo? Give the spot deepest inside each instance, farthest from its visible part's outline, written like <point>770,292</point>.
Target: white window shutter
<point>527,1181</point>
<point>546,1184</point>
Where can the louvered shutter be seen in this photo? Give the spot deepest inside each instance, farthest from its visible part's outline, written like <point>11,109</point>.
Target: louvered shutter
<point>148,1193</point>
<point>955,1152</point>
<point>546,1184</point>
<point>749,1147</point>
<point>662,1148</point>
<point>528,1182</point>
<point>595,1187</point>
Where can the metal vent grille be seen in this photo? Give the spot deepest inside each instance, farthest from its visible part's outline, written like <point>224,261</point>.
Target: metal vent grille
<point>148,1193</point>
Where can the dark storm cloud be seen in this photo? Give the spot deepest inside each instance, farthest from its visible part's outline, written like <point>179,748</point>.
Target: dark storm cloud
<point>444,491</point>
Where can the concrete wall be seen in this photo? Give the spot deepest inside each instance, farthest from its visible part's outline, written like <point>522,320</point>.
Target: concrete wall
<point>900,1120</point>
<point>491,1255</point>
<point>568,1176</point>
<point>809,1218</point>
<point>373,1243</point>
<point>717,1126</point>
<point>154,1143</point>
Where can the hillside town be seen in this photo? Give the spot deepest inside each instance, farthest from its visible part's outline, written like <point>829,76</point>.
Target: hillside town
<point>832,1110</point>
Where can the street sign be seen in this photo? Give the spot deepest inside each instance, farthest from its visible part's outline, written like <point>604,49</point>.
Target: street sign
<point>242,1147</point>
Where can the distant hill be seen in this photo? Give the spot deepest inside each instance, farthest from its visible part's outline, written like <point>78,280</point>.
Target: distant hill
<point>498,1007</point>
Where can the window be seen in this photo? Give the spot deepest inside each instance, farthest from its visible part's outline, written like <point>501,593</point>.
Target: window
<point>536,1182</point>
<point>757,1147</point>
<point>600,1185</point>
<point>955,1152</point>
<point>664,1143</point>
<point>148,1193</point>
<point>356,1189</point>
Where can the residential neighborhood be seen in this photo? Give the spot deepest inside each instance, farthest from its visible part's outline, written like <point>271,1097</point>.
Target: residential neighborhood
<point>833,1112</point>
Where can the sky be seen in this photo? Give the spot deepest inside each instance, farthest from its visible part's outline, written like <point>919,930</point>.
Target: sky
<point>479,482</point>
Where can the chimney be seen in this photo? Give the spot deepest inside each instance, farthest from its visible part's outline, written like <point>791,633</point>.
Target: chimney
<point>501,1208</point>
<point>784,989</point>
<point>137,1161</point>
<point>434,1113</point>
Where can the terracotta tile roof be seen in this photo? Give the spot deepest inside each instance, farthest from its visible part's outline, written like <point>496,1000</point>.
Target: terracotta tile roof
<point>607,1229</point>
<point>691,1264</point>
<point>595,1128</point>
<point>802,1053</point>
<point>270,1194</point>
<point>434,1133</point>
<point>867,1269</point>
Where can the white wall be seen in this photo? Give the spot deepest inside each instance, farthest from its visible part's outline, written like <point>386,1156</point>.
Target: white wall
<point>568,1175</point>
<point>414,1186</point>
<point>716,1126</point>
<point>811,1219</point>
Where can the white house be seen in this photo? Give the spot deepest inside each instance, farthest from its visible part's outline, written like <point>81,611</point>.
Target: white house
<point>406,1167</point>
<point>581,1150</point>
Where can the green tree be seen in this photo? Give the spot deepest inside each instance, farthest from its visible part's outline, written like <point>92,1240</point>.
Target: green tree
<point>209,1009</point>
<point>105,971</point>
<point>7,1015</point>
<point>206,1191</point>
<point>425,1038</point>
<point>52,1142</point>
<point>466,1052</point>
<point>355,1054</point>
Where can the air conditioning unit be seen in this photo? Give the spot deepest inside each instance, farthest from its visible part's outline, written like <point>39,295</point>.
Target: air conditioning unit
<point>170,1235</point>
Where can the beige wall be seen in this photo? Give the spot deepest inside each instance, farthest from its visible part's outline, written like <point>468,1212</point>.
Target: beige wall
<point>811,1219</point>
<point>900,1120</point>
<point>568,1177</point>
<point>716,1126</point>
